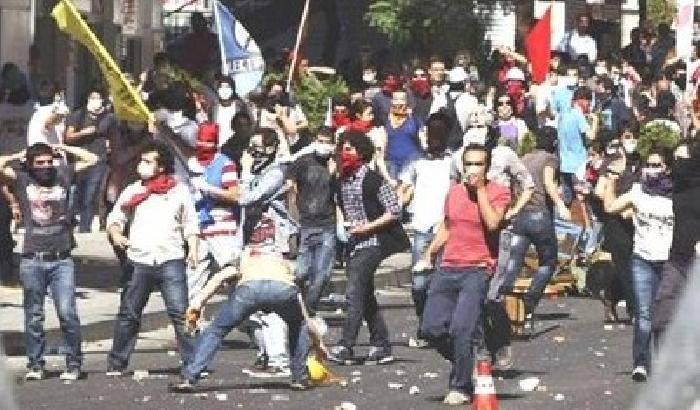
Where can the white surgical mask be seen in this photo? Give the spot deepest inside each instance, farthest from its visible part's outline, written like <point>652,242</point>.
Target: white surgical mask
<point>146,171</point>
<point>600,70</point>
<point>94,104</point>
<point>175,119</point>
<point>225,93</point>
<point>369,78</point>
<point>144,96</point>
<point>630,146</point>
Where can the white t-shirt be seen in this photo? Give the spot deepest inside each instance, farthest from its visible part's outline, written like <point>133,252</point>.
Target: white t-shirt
<point>223,116</point>
<point>653,225</point>
<point>36,131</point>
<point>431,179</point>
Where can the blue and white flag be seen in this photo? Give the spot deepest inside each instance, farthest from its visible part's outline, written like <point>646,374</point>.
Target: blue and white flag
<point>241,58</point>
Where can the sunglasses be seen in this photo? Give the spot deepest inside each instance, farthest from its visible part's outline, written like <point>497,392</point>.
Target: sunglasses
<point>474,164</point>
<point>654,165</point>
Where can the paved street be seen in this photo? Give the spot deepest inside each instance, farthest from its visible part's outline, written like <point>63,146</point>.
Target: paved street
<point>580,364</point>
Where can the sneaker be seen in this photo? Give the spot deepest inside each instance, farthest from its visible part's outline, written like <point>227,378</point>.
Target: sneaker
<point>639,374</point>
<point>456,398</point>
<point>378,355</point>
<point>114,372</point>
<point>504,358</point>
<point>278,371</point>
<point>184,386</point>
<point>261,362</point>
<point>300,385</point>
<point>36,373</point>
<point>70,375</point>
<point>417,343</point>
<point>341,355</point>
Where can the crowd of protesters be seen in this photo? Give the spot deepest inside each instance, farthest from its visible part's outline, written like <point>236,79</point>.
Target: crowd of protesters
<point>219,187</point>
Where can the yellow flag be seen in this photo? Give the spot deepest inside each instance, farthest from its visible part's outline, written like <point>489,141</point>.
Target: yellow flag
<point>127,103</point>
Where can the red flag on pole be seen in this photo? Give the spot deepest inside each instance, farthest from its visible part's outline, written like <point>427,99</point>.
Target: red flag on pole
<point>538,47</point>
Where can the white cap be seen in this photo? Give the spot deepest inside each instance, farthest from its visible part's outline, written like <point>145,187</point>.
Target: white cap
<point>515,73</point>
<point>457,75</point>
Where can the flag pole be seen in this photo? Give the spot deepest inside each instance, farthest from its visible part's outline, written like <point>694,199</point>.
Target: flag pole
<point>297,45</point>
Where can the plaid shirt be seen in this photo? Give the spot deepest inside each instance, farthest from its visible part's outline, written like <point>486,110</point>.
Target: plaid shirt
<point>353,206</point>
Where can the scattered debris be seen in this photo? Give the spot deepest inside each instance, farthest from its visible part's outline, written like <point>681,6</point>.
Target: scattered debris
<point>601,365</point>
<point>400,372</point>
<point>559,339</point>
<point>259,390</point>
<point>140,375</point>
<point>202,396</point>
<point>414,390</point>
<point>559,397</point>
<point>171,353</point>
<point>429,375</point>
<point>404,335</point>
<point>280,397</point>
<point>146,399</point>
<point>339,311</point>
<point>607,393</point>
<point>395,386</point>
<point>221,396</point>
<point>608,327</point>
<point>356,380</point>
<point>529,384</point>
<point>599,354</point>
<point>541,388</point>
<point>343,382</point>
<point>346,405</point>
<point>356,373</point>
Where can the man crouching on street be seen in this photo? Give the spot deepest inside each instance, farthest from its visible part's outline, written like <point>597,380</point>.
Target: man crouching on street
<point>264,282</point>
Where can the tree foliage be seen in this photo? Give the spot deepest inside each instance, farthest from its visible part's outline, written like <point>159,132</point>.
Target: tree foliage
<point>661,11</point>
<point>428,26</point>
<point>656,135</point>
<point>312,92</point>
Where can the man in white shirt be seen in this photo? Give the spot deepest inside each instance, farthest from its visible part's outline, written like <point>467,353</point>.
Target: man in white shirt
<point>47,124</point>
<point>578,41</point>
<point>161,218</point>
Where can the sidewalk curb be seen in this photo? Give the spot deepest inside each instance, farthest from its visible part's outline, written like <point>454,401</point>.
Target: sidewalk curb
<point>387,275</point>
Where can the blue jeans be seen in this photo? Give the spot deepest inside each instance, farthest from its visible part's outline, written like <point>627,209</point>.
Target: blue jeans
<point>452,310</point>
<point>532,227</point>
<point>396,166</point>
<point>59,277</point>
<point>244,300</point>
<point>87,191</point>
<point>645,280</point>
<point>315,262</point>
<point>170,279</point>
<point>421,280</point>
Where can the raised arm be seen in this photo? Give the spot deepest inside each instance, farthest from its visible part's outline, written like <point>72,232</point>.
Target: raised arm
<point>85,158</point>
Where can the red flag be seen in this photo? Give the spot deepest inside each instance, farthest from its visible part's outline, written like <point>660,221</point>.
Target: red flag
<point>538,47</point>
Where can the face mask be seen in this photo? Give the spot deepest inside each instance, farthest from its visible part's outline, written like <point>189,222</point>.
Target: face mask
<point>369,78</point>
<point>146,171</point>
<point>349,163</point>
<point>323,150</point>
<point>600,71</point>
<point>225,93</point>
<point>175,119</point>
<point>144,96</point>
<point>630,146</point>
<point>657,183</point>
<point>421,86</point>
<point>261,160</point>
<point>45,176</point>
<point>94,105</point>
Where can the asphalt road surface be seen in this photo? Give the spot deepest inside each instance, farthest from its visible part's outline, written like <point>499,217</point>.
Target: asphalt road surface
<point>579,362</point>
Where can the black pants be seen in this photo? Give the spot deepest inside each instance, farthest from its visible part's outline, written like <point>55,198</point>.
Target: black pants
<point>618,241</point>
<point>361,301</point>
<point>6,242</point>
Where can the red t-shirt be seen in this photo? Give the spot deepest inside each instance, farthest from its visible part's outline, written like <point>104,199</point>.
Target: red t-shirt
<point>468,243</point>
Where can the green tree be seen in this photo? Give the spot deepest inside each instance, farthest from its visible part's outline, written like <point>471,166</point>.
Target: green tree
<point>661,11</point>
<point>428,26</point>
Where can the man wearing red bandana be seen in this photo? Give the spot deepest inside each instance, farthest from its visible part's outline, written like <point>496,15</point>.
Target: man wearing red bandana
<point>215,180</point>
<point>371,211</point>
<point>161,218</point>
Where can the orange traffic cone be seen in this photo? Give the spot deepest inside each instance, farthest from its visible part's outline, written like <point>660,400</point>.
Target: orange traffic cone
<point>484,390</point>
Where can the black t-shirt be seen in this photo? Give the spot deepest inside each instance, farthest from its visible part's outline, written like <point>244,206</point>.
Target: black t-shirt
<point>95,143</point>
<point>46,212</point>
<point>315,198</point>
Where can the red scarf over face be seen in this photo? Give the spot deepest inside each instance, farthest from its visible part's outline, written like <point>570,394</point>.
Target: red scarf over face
<point>349,163</point>
<point>160,184</point>
<point>361,126</point>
